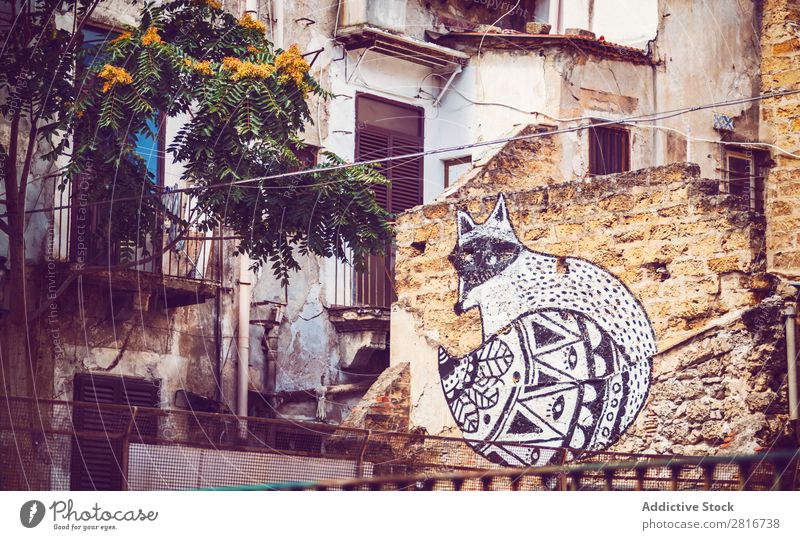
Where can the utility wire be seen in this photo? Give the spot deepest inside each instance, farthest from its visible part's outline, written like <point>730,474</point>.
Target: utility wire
<point>633,120</point>
<point>605,122</point>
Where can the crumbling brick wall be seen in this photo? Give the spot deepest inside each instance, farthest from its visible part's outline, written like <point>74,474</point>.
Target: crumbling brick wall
<point>780,71</point>
<point>385,406</point>
<point>693,256</point>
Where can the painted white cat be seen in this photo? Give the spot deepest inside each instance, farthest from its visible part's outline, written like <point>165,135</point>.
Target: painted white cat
<point>566,354</point>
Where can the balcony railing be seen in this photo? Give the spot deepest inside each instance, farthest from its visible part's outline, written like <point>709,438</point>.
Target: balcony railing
<point>77,238</point>
<point>371,287</point>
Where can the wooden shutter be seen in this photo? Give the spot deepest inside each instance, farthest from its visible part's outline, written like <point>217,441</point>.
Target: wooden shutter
<point>96,462</point>
<point>609,150</point>
<point>406,174</point>
<point>95,459</point>
<point>371,144</point>
<point>388,130</point>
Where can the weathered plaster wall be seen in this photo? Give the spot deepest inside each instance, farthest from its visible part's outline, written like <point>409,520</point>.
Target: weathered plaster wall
<point>100,328</point>
<point>553,81</point>
<point>707,52</point>
<point>683,249</point>
<point>307,347</point>
<point>780,65</point>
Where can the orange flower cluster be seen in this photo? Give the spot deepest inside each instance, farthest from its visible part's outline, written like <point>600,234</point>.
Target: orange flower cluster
<point>293,67</point>
<point>203,67</point>
<point>247,70</point>
<point>151,36</point>
<point>213,4</point>
<point>114,75</point>
<point>248,21</point>
<point>122,37</point>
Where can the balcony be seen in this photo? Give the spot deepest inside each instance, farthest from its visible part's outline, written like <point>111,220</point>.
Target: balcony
<point>360,312</point>
<point>174,270</point>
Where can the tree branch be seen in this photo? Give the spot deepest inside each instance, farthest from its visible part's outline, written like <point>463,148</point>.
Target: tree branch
<point>26,165</point>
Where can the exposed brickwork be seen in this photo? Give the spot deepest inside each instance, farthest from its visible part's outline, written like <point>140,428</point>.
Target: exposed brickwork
<point>385,406</point>
<point>780,66</point>
<point>684,249</point>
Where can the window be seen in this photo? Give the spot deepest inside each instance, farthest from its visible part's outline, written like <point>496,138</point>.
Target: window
<point>386,129</point>
<point>97,453</point>
<point>743,179</point>
<point>609,150</point>
<point>454,168</point>
<point>88,225</point>
<point>150,144</point>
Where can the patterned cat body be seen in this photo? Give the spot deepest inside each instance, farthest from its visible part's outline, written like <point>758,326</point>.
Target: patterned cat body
<point>566,354</point>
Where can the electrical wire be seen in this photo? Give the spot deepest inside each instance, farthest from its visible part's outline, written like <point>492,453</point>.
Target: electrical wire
<point>632,120</point>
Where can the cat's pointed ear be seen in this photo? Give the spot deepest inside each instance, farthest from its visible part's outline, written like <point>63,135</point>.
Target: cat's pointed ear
<point>465,223</point>
<point>500,213</point>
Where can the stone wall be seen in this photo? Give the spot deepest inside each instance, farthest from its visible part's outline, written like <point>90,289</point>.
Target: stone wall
<point>780,71</point>
<point>691,255</point>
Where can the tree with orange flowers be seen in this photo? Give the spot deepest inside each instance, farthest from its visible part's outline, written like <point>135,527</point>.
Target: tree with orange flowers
<point>75,112</point>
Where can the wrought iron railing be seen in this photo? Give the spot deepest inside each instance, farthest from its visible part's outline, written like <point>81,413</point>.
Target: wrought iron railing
<point>77,237</point>
<point>372,286</point>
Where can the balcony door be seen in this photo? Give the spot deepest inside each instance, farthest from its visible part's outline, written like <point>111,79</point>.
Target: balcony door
<point>388,129</point>
<point>88,222</point>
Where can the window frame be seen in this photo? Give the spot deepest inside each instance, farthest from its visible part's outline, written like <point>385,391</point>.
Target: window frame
<point>374,286</point>
<point>594,144</point>
<point>754,188</point>
<point>361,127</point>
<point>161,135</point>
<point>92,450</point>
<point>452,162</point>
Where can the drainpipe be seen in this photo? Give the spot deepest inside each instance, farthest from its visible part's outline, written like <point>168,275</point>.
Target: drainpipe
<point>556,21</point>
<point>251,7</point>
<point>243,345</point>
<point>791,365</point>
<point>277,13</point>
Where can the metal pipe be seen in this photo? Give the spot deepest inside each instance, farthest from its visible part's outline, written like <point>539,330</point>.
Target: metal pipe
<point>277,13</point>
<point>557,26</point>
<point>791,360</point>
<point>243,345</point>
<point>251,6</point>
<point>218,328</point>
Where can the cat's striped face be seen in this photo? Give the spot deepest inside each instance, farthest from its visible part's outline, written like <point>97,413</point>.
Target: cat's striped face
<point>482,251</point>
<point>480,259</point>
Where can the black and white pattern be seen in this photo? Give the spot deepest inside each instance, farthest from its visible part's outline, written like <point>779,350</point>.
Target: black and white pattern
<point>566,354</point>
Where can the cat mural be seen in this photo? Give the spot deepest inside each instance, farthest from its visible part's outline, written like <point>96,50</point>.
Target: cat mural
<point>566,354</point>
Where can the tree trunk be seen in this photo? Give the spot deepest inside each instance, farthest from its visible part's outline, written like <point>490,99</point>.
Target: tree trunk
<point>17,365</point>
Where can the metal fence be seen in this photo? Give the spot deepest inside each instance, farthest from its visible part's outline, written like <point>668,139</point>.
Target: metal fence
<point>59,445</point>
<point>769,471</point>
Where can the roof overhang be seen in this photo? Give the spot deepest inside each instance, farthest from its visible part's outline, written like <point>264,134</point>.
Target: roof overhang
<point>524,42</point>
<point>412,50</point>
